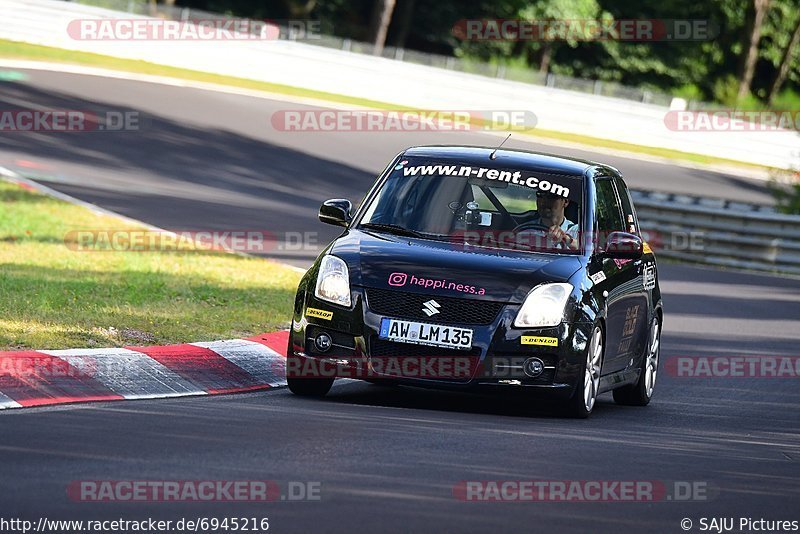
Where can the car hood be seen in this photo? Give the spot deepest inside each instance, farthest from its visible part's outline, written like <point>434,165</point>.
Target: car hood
<point>448,269</point>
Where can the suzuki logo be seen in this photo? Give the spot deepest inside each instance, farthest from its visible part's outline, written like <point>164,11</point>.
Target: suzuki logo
<point>431,307</point>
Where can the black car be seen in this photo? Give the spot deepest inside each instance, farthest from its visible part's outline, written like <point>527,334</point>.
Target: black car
<point>480,268</point>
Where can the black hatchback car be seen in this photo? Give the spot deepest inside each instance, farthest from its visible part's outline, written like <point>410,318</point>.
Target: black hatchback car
<point>477,268</point>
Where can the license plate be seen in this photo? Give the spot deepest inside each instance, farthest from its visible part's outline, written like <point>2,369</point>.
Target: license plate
<point>426,334</point>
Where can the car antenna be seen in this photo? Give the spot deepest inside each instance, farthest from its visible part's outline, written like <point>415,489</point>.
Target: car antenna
<point>493,155</point>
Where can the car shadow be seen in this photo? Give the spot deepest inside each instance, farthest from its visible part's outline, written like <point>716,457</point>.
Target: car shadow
<point>416,398</point>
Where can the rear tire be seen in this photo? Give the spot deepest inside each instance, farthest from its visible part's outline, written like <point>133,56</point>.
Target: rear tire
<point>640,393</point>
<point>582,403</point>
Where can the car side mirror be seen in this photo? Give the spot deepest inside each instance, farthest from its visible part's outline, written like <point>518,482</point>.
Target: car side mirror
<point>623,245</point>
<point>336,212</point>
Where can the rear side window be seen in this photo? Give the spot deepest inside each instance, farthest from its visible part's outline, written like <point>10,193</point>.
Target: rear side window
<point>628,213</point>
<point>609,216</point>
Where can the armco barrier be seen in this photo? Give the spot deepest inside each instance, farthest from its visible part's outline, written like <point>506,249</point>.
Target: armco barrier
<point>400,83</point>
<point>719,232</point>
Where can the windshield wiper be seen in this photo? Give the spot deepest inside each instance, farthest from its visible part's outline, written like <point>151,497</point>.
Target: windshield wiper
<point>392,229</point>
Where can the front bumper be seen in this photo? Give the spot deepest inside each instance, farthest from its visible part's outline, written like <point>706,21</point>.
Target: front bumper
<point>496,361</point>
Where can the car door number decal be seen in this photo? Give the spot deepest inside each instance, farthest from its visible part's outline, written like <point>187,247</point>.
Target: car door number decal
<point>630,320</point>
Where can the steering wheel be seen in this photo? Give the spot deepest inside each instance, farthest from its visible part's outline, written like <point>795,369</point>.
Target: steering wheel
<point>538,228</point>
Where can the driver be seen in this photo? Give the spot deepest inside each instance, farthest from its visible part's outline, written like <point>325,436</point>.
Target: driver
<point>560,230</point>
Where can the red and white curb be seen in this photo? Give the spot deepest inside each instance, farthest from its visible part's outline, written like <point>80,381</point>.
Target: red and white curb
<point>45,377</point>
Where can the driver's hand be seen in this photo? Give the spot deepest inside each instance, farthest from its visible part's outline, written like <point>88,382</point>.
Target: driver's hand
<point>556,233</point>
<point>559,236</point>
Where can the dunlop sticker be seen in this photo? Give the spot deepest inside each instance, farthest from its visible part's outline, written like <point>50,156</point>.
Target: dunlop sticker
<point>320,314</point>
<point>538,340</point>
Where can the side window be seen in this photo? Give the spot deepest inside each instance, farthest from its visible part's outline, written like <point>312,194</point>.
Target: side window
<point>629,214</point>
<point>609,216</point>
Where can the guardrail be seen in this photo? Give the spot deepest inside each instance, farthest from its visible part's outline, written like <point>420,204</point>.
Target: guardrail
<point>719,232</point>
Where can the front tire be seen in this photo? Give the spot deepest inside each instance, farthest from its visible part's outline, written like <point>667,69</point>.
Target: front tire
<point>585,397</point>
<point>305,386</point>
<point>640,393</point>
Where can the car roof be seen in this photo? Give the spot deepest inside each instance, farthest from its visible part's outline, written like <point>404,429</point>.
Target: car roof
<point>515,158</point>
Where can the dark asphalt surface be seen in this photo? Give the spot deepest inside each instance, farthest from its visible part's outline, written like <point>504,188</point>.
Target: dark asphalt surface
<point>203,160</point>
<point>388,459</point>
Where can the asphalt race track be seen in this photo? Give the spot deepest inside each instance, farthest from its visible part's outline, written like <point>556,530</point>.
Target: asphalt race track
<point>388,459</point>
<point>212,161</point>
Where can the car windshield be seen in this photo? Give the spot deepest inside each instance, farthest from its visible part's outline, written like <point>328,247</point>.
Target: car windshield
<point>487,205</point>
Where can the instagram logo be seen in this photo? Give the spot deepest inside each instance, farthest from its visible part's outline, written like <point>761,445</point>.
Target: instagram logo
<point>398,279</point>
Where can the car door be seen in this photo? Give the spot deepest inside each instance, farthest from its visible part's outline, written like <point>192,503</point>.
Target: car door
<point>626,309</point>
<point>646,269</point>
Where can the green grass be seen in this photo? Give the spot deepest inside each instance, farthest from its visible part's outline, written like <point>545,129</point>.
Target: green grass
<point>17,50</point>
<point>54,297</point>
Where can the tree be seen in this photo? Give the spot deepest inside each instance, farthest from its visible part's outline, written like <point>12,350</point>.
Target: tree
<point>381,17</point>
<point>568,11</point>
<point>756,51</point>
<point>401,23</point>
<point>299,9</point>
<point>776,67</point>
<point>755,22</point>
<point>785,63</point>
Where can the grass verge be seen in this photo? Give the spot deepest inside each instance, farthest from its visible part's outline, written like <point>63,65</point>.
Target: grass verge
<point>18,50</point>
<point>52,297</point>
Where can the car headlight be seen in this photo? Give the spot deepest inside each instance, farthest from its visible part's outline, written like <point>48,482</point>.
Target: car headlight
<point>333,281</point>
<point>544,306</point>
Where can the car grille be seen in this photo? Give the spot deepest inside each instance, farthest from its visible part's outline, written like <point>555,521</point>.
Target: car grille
<point>453,310</point>
<point>468,359</point>
<point>381,348</point>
